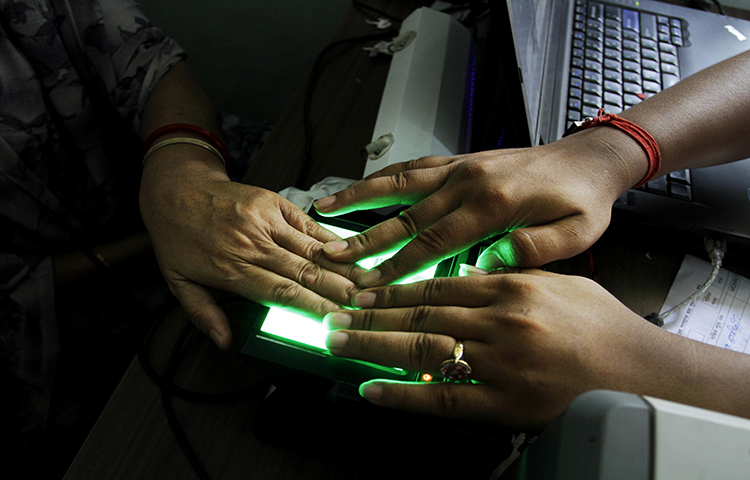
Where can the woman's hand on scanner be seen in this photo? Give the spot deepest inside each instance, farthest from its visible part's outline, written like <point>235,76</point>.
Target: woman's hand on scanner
<point>210,232</point>
<point>552,202</point>
<point>534,341</point>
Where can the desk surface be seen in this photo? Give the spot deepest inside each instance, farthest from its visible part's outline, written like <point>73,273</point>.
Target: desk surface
<point>133,440</point>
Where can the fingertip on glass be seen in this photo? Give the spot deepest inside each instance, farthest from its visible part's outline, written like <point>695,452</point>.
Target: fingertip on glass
<point>371,391</point>
<point>466,270</point>
<point>337,246</point>
<point>337,321</point>
<point>325,202</point>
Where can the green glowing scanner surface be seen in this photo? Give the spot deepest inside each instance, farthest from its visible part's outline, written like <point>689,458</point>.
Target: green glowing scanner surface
<point>309,331</point>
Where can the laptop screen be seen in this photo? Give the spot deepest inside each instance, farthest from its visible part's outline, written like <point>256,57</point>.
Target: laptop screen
<point>530,25</point>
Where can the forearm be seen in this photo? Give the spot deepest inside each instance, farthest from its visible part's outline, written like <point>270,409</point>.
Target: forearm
<point>676,368</point>
<point>70,267</point>
<point>178,98</point>
<point>702,120</point>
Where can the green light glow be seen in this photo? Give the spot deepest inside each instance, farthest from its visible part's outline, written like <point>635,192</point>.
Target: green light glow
<point>309,331</point>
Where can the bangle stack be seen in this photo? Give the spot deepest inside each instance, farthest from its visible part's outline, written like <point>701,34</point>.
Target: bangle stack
<point>210,142</point>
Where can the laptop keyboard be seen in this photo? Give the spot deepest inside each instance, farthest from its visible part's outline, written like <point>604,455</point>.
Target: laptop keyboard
<point>621,57</point>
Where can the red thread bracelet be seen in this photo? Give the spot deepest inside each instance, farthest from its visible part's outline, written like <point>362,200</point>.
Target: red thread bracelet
<point>213,139</point>
<point>644,139</point>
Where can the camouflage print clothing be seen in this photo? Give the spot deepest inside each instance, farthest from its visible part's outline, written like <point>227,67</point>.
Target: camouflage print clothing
<point>70,105</point>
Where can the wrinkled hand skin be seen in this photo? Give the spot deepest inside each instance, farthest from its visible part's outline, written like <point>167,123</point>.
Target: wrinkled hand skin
<point>210,232</point>
<point>555,201</point>
<point>535,340</point>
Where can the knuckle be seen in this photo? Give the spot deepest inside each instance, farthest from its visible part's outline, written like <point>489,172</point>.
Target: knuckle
<point>431,291</point>
<point>475,170</point>
<point>365,320</point>
<point>399,181</point>
<point>416,318</point>
<point>285,294</point>
<point>432,241</point>
<point>525,248</point>
<point>408,223</point>
<point>421,351</point>
<point>310,275</point>
<point>448,401</point>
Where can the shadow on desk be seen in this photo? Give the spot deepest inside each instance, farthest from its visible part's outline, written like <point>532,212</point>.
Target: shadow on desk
<point>298,432</point>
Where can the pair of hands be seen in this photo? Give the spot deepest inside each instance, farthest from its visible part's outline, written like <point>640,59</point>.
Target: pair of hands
<point>210,232</point>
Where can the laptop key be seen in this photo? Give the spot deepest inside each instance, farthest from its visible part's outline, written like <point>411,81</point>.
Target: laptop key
<point>614,87</point>
<point>613,99</point>
<point>592,88</point>
<point>613,33</point>
<point>630,20</point>
<point>631,55</point>
<point>592,76</point>
<point>630,45</point>
<point>632,77</point>
<point>612,71</point>
<point>649,54</point>
<point>648,43</point>
<point>668,58</point>
<point>590,111</point>
<point>668,48</point>
<point>672,69</point>
<point>596,11</point>
<point>629,99</point>
<point>574,115</point>
<point>658,185</point>
<point>648,26</point>
<point>680,176</point>
<point>652,87</point>
<point>680,191</point>
<point>613,13</point>
<point>667,80</point>
<point>633,88</point>
<point>651,75</point>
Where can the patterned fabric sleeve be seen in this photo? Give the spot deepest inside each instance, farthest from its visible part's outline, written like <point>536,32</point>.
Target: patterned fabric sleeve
<point>129,53</point>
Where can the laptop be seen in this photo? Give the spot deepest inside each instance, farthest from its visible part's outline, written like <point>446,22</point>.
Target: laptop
<point>562,60</point>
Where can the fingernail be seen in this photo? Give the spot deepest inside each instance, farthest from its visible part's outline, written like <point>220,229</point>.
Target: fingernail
<point>371,391</point>
<point>325,202</point>
<point>336,339</point>
<point>335,247</point>
<point>490,260</point>
<point>337,321</point>
<point>363,299</point>
<point>466,270</point>
<point>368,278</point>
<point>217,338</point>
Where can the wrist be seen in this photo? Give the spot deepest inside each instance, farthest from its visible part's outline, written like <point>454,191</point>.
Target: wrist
<point>619,161</point>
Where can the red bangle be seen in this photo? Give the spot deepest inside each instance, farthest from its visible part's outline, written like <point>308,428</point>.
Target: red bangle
<point>644,139</point>
<point>213,139</point>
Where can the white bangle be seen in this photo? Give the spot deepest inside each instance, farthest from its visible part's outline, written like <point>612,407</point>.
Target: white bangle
<point>184,140</point>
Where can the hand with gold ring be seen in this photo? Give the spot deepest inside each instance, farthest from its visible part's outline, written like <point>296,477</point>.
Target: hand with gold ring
<point>532,341</point>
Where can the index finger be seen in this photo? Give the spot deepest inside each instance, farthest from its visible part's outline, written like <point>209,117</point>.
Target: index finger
<point>404,184</point>
<point>454,232</point>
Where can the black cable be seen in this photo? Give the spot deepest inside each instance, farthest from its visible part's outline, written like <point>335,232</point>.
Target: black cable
<point>310,90</point>
<point>168,388</point>
<point>703,5</point>
<point>363,6</point>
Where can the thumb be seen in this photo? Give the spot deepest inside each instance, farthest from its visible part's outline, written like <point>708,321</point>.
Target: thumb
<point>538,245</point>
<point>204,312</point>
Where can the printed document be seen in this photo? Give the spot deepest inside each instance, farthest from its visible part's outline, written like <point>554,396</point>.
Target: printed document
<point>720,316</point>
